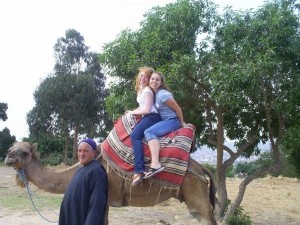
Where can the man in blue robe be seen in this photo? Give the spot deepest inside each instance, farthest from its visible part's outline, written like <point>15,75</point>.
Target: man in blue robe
<point>85,200</point>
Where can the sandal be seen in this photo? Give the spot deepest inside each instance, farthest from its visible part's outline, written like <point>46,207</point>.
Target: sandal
<point>152,171</point>
<point>137,178</point>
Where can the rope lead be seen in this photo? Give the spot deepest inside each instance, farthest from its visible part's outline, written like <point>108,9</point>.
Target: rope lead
<point>23,178</point>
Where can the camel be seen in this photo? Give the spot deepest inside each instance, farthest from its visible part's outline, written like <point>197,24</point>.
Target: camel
<point>196,191</point>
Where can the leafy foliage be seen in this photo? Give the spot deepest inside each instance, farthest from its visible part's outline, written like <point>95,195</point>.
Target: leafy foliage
<point>51,149</point>
<point>3,108</point>
<point>291,147</point>
<point>166,42</point>
<point>6,141</point>
<point>264,161</point>
<point>235,75</point>
<point>48,144</point>
<point>230,171</point>
<point>70,102</point>
<point>239,218</point>
<point>210,167</point>
<point>52,159</point>
<point>70,53</point>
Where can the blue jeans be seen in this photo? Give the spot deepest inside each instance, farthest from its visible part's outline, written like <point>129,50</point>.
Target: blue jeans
<point>136,139</point>
<point>162,128</point>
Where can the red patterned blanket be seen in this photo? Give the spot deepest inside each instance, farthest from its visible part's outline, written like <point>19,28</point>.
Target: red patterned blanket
<point>174,151</point>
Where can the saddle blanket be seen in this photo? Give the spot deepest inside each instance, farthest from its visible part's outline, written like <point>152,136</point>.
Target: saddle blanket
<point>174,151</point>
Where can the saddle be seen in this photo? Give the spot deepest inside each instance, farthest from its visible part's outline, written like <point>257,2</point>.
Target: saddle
<point>174,153</point>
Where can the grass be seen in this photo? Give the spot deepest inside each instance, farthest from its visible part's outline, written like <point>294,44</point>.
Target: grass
<point>14,198</point>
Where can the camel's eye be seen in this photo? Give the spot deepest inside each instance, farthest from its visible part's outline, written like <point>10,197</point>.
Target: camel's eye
<point>24,154</point>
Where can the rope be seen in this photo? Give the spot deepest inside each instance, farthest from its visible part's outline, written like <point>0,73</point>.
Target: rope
<point>23,178</point>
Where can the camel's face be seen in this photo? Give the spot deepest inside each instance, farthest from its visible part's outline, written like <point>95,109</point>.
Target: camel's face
<point>19,155</point>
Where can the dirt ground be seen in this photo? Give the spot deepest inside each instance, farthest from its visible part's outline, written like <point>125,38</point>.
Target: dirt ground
<point>268,201</point>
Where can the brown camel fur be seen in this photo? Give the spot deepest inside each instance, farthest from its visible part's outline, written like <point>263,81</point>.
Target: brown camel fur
<point>197,192</point>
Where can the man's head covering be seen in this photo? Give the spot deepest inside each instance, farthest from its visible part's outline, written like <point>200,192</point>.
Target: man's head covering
<point>91,142</point>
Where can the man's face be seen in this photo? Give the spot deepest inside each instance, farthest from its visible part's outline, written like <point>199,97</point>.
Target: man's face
<point>85,153</point>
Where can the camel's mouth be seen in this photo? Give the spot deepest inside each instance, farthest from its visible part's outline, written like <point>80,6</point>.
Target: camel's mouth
<point>10,161</point>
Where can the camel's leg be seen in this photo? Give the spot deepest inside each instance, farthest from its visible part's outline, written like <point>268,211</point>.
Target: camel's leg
<point>196,196</point>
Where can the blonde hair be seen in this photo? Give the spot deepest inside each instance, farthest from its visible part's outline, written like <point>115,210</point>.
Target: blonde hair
<point>148,71</point>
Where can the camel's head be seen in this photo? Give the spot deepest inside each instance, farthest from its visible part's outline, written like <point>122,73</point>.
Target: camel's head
<point>21,154</point>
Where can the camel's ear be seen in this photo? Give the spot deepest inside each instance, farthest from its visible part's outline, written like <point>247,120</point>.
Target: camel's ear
<point>33,149</point>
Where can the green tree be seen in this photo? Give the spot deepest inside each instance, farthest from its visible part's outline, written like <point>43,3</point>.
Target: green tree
<point>165,41</point>
<point>265,160</point>
<point>50,149</point>
<point>6,141</point>
<point>291,147</point>
<point>3,108</point>
<point>70,102</point>
<point>259,52</point>
<point>235,75</point>
<point>70,53</point>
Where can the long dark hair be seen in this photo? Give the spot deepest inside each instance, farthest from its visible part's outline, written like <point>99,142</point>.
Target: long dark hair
<point>163,84</point>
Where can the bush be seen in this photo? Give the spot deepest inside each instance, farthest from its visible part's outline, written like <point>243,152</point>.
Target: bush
<point>265,160</point>
<point>52,159</point>
<point>239,218</point>
<point>212,168</point>
<point>230,172</point>
<point>288,169</point>
<point>291,149</point>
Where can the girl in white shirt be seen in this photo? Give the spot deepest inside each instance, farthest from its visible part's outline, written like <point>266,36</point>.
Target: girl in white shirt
<point>150,116</point>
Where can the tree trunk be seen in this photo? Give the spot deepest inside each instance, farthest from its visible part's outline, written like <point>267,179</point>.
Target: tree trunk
<point>74,156</point>
<point>221,172</point>
<point>232,209</point>
<point>242,188</point>
<point>66,137</point>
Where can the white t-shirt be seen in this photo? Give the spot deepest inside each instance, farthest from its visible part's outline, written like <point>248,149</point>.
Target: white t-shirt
<point>141,99</point>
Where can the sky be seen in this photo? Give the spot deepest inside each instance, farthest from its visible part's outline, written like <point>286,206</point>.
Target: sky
<point>30,29</point>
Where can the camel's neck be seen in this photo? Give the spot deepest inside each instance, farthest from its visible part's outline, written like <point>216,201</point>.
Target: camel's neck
<point>50,180</point>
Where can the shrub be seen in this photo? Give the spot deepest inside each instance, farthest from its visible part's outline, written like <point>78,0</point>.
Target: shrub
<point>230,171</point>
<point>211,168</point>
<point>52,159</point>
<point>239,218</point>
